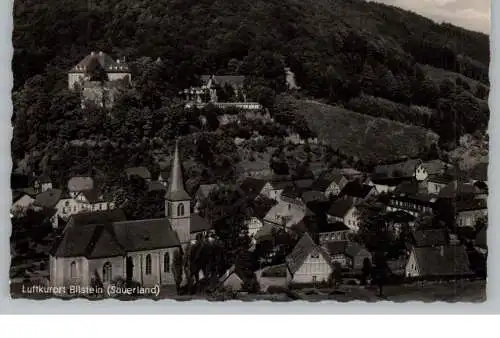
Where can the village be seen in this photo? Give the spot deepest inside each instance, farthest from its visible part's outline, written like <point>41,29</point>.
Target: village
<point>332,232</point>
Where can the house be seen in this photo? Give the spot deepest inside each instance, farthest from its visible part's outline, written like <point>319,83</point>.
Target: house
<point>101,62</point>
<point>85,201</point>
<point>413,204</point>
<point>398,220</point>
<point>470,211</point>
<point>409,169</point>
<point>256,221</point>
<point>308,263</point>
<point>357,191</point>
<point>285,214</point>
<point>346,212</point>
<point>232,279</point>
<point>139,250</point>
<point>435,167</point>
<point>459,189</point>
<point>351,174</point>
<point>350,255</point>
<point>334,231</point>
<point>440,261</point>
<point>156,186</point>
<point>98,217</point>
<point>141,172</point>
<point>42,183</point>
<point>384,185</point>
<point>436,183</point>
<point>254,187</point>
<point>101,94</point>
<point>78,184</point>
<point>21,202</point>
<point>330,183</point>
<point>430,238</point>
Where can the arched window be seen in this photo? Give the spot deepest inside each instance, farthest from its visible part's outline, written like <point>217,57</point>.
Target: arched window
<point>72,270</point>
<point>180,209</point>
<point>148,264</point>
<point>106,272</point>
<point>166,262</point>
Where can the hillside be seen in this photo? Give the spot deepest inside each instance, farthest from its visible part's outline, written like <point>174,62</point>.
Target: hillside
<point>348,53</point>
<point>371,139</point>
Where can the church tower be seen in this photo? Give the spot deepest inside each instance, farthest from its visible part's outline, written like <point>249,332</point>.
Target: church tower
<point>178,201</point>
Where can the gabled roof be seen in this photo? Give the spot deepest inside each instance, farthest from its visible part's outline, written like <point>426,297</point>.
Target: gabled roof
<point>481,238</point>
<point>356,189</point>
<point>141,172</point>
<point>199,224</point>
<point>232,270</point>
<point>80,183</point>
<point>442,261</point>
<point>401,169</point>
<point>455,189</point>
<point>43,178</point>
<point>252,187</point>
<point>430,237</point>
<point>104,60</point>
<point>156,186</point>
<point>305,246</point>
<point>93,196</point>
<point>435,167</point>
<point>389,181</point>
<point>48,198</point>
<point>333,227</point>
<point>348,248</point>
<point>97,217</point>
<point>441,179</point>
<point>469,204</point>
<point>340,207</point>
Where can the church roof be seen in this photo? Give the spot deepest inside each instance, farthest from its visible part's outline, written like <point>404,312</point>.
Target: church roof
<point>176,190</point>
<point>116,239</point>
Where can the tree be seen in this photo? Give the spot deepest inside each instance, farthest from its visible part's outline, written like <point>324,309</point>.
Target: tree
<point>335,278</point>
<point>366,270</point>
<point>380,271</point>
<point>177,269</point>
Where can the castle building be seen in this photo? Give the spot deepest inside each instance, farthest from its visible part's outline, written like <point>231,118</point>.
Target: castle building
<point>139,250</point>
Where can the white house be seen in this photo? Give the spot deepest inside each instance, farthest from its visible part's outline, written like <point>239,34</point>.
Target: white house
<point>346,212</point>
<point>308,263</point>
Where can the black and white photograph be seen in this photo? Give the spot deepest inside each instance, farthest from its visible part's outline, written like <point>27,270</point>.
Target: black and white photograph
<point>274,150</point>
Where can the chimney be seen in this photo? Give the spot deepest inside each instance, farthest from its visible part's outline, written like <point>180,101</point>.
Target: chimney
<point>441,250</point>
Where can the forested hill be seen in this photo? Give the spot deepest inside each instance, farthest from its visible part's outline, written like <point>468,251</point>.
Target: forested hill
<point>365,57</point>
<point>193,36</point>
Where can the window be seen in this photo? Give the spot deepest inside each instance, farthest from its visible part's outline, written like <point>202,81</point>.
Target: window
<point>106,272</point>
<point>180,209</point>
<point>315,255</point>
<point>66,203</point>
<point>72,270</point>
<point>148,264</point>
<point>166,262</point>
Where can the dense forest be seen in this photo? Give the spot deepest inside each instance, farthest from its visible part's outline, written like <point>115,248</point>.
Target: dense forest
<point>370,58</point>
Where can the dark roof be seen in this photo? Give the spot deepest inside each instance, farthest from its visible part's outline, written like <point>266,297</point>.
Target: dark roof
<point>80,183</point>
<point>399,216</point>
<point>261,210</point>
<point>332,227</point>
<point>481,238</point>
<point>222,80</point>
<point>336,247</point>
<point>312,196</point>
<point>97,217</point>
<point>176,190</point>
<point>480,172</point>
<point>356,189</point>
<point>326,178</point>
<point>340,207</point>
<point>104,60</point>
<point>304,247</point>
<point>470,204</point>
<point>430,237</point>
<point>389,181</point>
<point>93,196</point>
<point>401,169</point>
<point>112,239</point>
<point>435,167</point>
<point>199,223</point>
<point>442,261</point>
<point>49,198</point>
<point>252,186</point>
<point>292,192</point>
<point>279,182</point>
<point>156,186</point>
<point>353,249</point>
<point>303,184</point>
<point>141,172</point>
<point>454,189</point>
<point>441,179</point>
<point>43,178</point>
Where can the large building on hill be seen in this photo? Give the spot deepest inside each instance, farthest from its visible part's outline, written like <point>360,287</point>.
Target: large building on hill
<point>99,78</point>
<point>136,250</point>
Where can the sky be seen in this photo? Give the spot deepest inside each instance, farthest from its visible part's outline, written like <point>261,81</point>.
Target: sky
<point>470,14</point>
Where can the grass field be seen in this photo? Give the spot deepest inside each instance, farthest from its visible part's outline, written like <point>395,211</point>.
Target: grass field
<point>366,137</point>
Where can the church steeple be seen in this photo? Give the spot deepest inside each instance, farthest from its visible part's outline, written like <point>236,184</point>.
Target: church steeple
<point>176,191</point>
<point>178,201</point>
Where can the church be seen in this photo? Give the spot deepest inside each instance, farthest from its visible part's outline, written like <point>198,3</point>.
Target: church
<point>140,250</point>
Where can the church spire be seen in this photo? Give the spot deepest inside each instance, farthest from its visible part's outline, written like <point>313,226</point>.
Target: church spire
<point>176,191</point>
